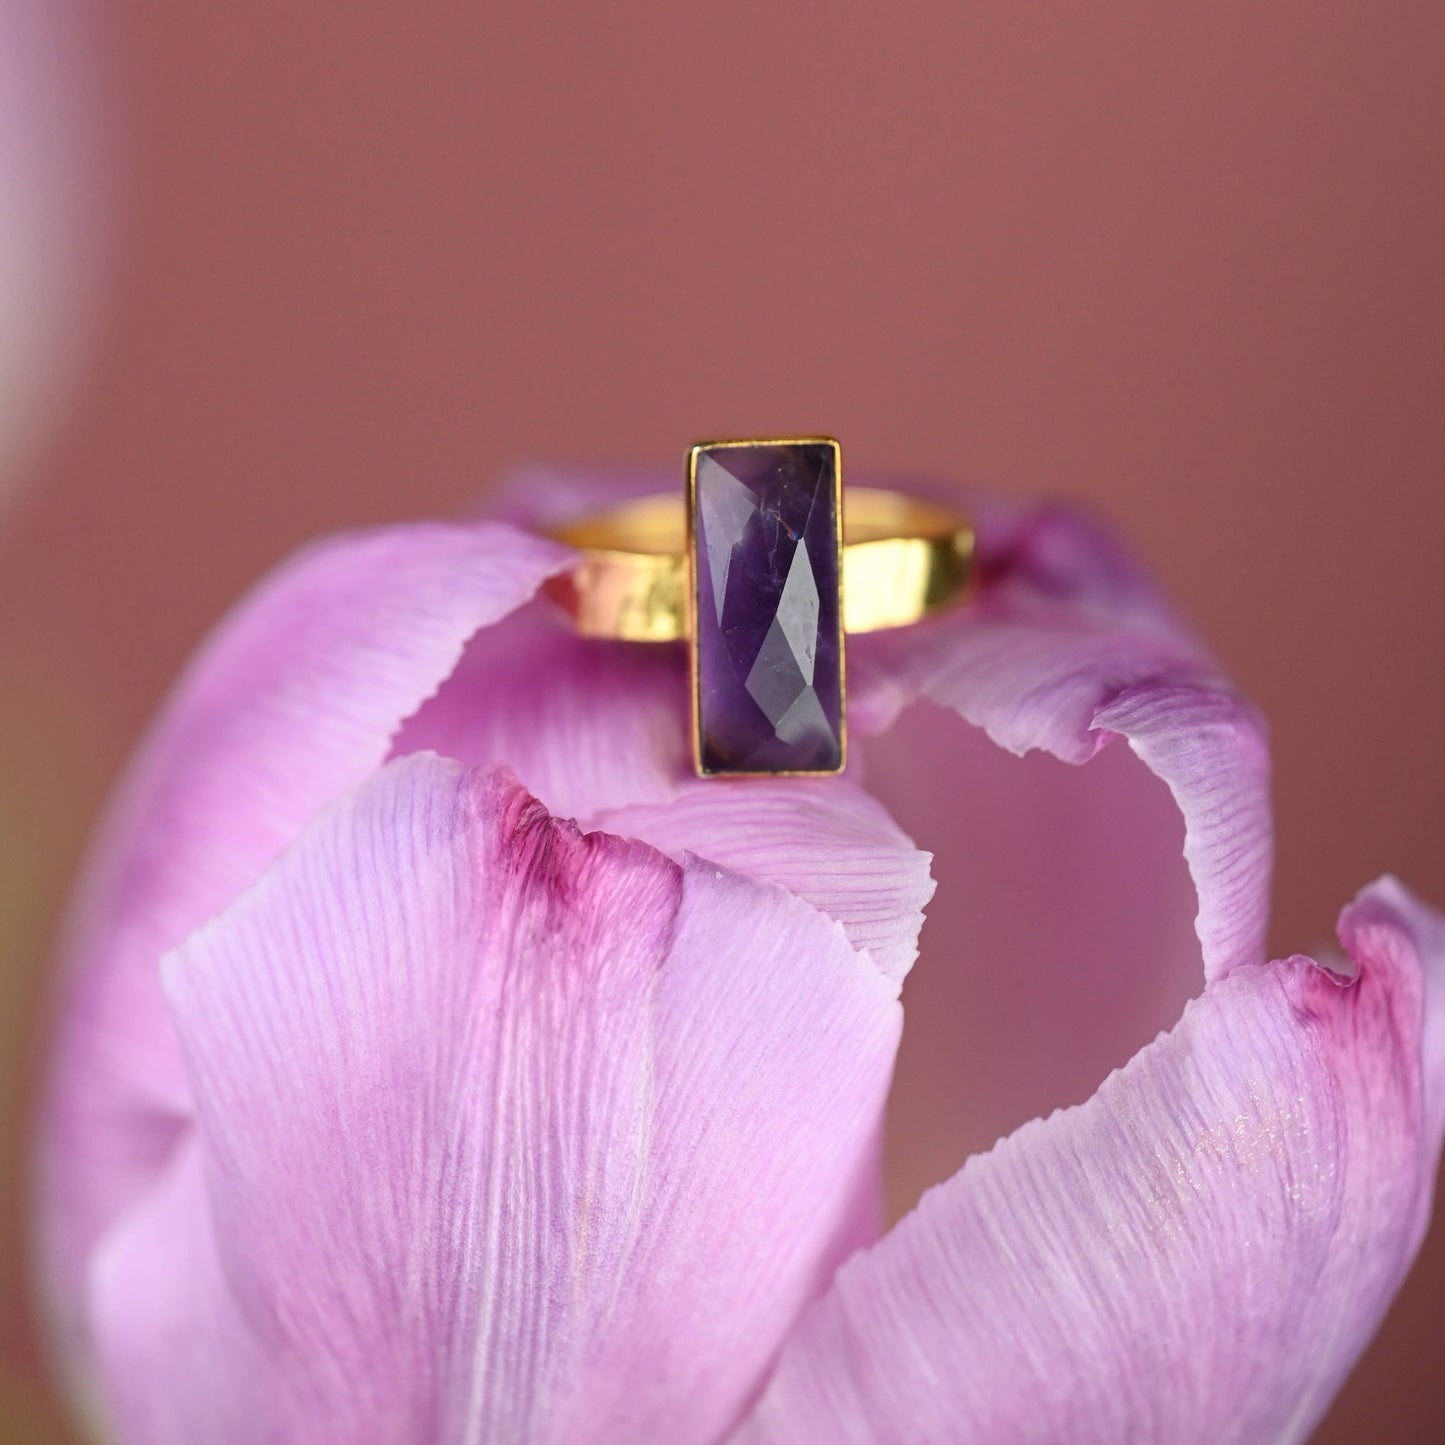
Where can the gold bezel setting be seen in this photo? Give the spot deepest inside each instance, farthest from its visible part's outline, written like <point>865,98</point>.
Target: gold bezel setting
<point>693,602</point>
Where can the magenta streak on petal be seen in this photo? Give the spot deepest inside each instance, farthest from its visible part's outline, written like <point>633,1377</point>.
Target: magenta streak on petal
<point>825,840</point>
<point>508,1132</point>
<point>294,700</point>
<point>1200,1252</point>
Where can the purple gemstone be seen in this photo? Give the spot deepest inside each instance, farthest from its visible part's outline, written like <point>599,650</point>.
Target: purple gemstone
<point>769,643</point>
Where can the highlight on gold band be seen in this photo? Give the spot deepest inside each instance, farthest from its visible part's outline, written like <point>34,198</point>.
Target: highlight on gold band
<point>903,559</point>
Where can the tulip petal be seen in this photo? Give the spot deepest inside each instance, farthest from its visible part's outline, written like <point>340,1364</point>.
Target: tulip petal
<point>510,1132</point>
<point>585,724</point>
<point>1200,1252</point>
<point>825,840</point>
<point>294,700</point>
<point>1066,648</point>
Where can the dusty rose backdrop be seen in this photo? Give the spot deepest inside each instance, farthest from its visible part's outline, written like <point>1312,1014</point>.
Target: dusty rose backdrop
<point>1182,263</point>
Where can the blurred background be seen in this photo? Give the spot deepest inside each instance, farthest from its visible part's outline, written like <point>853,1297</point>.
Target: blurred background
<point>269,270</point>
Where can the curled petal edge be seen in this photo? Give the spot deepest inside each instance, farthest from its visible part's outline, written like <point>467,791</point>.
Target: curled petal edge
<point>1069,647</point>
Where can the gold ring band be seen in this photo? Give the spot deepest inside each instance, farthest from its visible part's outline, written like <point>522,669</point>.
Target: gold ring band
<point>903,559</point>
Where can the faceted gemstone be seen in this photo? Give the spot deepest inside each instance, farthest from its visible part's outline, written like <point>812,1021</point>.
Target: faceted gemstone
<point>769,644</point>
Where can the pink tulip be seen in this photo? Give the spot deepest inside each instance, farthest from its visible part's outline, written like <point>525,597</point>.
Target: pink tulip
<point>392,1105</point>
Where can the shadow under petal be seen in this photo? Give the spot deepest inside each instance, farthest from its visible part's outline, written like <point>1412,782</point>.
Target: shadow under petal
<point>1059,941</point>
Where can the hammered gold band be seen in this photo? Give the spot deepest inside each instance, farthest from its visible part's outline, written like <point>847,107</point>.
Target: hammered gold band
<point>903,559</point>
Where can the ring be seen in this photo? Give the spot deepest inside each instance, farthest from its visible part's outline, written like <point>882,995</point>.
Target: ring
<point>762,567</point>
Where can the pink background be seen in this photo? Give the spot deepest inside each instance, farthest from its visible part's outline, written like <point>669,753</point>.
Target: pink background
<point>1183,263</point>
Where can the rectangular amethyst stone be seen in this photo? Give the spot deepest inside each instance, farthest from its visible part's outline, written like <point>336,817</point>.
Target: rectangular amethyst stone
<point>766,536</point>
